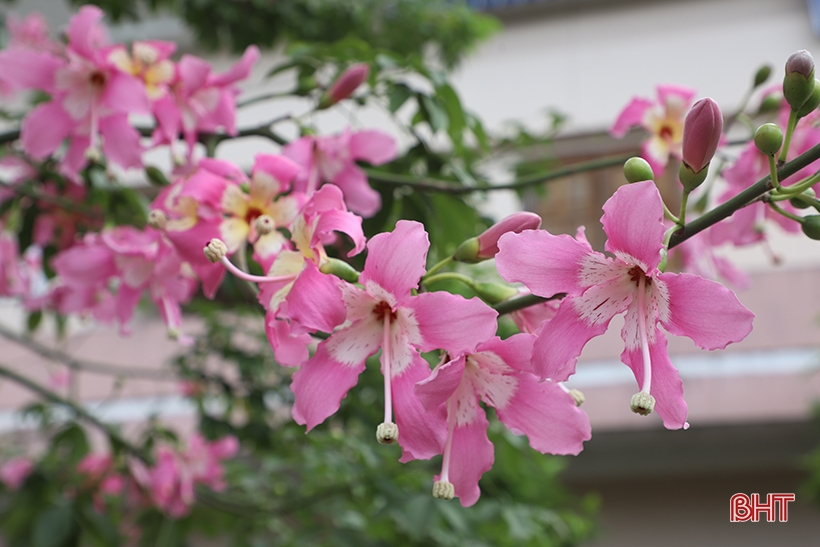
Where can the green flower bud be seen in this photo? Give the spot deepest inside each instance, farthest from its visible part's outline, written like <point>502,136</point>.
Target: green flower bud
<point>691,179</point>
<point>798,84</point>
<point>468,251</point>
<point>340,269</point>
<point>155,176</point>
<point>801,204</point>
<point>811,226</point>
<point>762,75</point>
<point>770,103</point>
<point>493,293</point>
<point>637,170</point>
<point>812,103</point>
<point>769,138</point>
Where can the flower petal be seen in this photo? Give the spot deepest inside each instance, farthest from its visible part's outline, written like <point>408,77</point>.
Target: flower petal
<point>44,129</point>
<point>451,322</point>
<point>471,456</point>
<point>633,222</point>
<point>441,384</point>
<point>705,311</point>
<point>319,385</point>
<point>666,387</point>
<point>545,263</point>
<point>630,116</point>
<point>315,301</point>
<point>421,433</point>
<point>560,341</point>
<point>372,146</point>
<point>360,197</point>
<point>547,415</point>
<point>396,260</point>
<point>290,350</point>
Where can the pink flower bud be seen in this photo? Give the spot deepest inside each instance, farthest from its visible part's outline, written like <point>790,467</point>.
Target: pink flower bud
<point>14,472</point>
<point>346,84</point>
<point>701,134</point>
<point>801,62</point>
<point>485,246</point>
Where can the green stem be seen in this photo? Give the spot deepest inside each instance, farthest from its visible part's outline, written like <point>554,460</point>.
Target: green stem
<point>436,268</point>
<point>744,198</point>
<point>788,139</point>
<point>438,185</point>
<point>669,215</point>
<point>773,173</point>
<point>81,413</point>
<point>684,201</point>
<point>525,301</point>
<point>469,281</point>
<point>799,187</point>
<point>785,213</point>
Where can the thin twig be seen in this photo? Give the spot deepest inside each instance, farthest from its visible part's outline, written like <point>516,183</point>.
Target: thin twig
<point>79,411</point>
<point>77,364</point>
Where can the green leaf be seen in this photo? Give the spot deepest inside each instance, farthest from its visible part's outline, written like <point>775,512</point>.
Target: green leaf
<point>34,319</point>
<point>436,115</point>
<point>398,96</point>
<point>54,527</point>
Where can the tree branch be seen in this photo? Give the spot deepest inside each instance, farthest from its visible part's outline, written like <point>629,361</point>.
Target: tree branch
<point>77,364</point>
<point>81,413</point>
<point>744,198</point>
<point>439,185</point>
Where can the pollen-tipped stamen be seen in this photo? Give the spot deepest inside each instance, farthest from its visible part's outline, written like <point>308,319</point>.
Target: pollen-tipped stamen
<point>443,488</point>
<point>388,387</point>
<point>216,251</point>
<point>643,403</point>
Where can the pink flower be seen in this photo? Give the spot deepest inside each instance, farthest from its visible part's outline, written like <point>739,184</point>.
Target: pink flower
<point>599,287</point>
<point>348,82</point>
<point>172,480</point>
<point>386,315</point>
<point>497,372</point>
<point>333,159</point>
<point>201,101</point>
<point>91,98</point>
<point>702,131</point>
<point>663,119</point>
<point>14,472</point>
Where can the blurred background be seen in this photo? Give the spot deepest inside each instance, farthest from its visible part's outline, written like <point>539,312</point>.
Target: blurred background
<point>548,78</point>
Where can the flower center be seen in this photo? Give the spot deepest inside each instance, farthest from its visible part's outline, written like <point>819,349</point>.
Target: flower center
<point>383,311</point>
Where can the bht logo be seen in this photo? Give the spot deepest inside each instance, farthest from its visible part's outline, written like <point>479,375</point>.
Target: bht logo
<point>742,509</point>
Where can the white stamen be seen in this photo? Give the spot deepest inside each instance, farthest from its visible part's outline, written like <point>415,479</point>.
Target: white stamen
<point>448,445</point>
<point>387,433</point>
<point>386,371</point>
<point>647,363</point>
<point>443,490</point>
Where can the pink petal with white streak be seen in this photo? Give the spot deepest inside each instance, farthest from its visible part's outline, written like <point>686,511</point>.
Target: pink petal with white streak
<point>451,322</point>
<point>319,385</point>
<point>633,222</point>
<point>421,434</point>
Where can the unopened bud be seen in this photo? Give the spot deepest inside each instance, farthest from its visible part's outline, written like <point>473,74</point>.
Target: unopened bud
<point>638,170</point>
<point>702,130</point>
<point>443,490</point>
<point>155,176</point>
<point>346,84</point>
<point>802,204</point>
<point>691,179</point>
<point>387,433</point>
<point>770,103</point>
<point>264,224</point>
<point>340,269</point>
<point>769,138</point>
<point>577,396</point>
<point>642,403</point>
<point>811,226</point>
<point>812,102</point>
<point>494,293</point>
<point>798,83</point>
<point>762,75</point>
<point>157,219</point>
<point>485,246</point>
<point>216,250</point>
